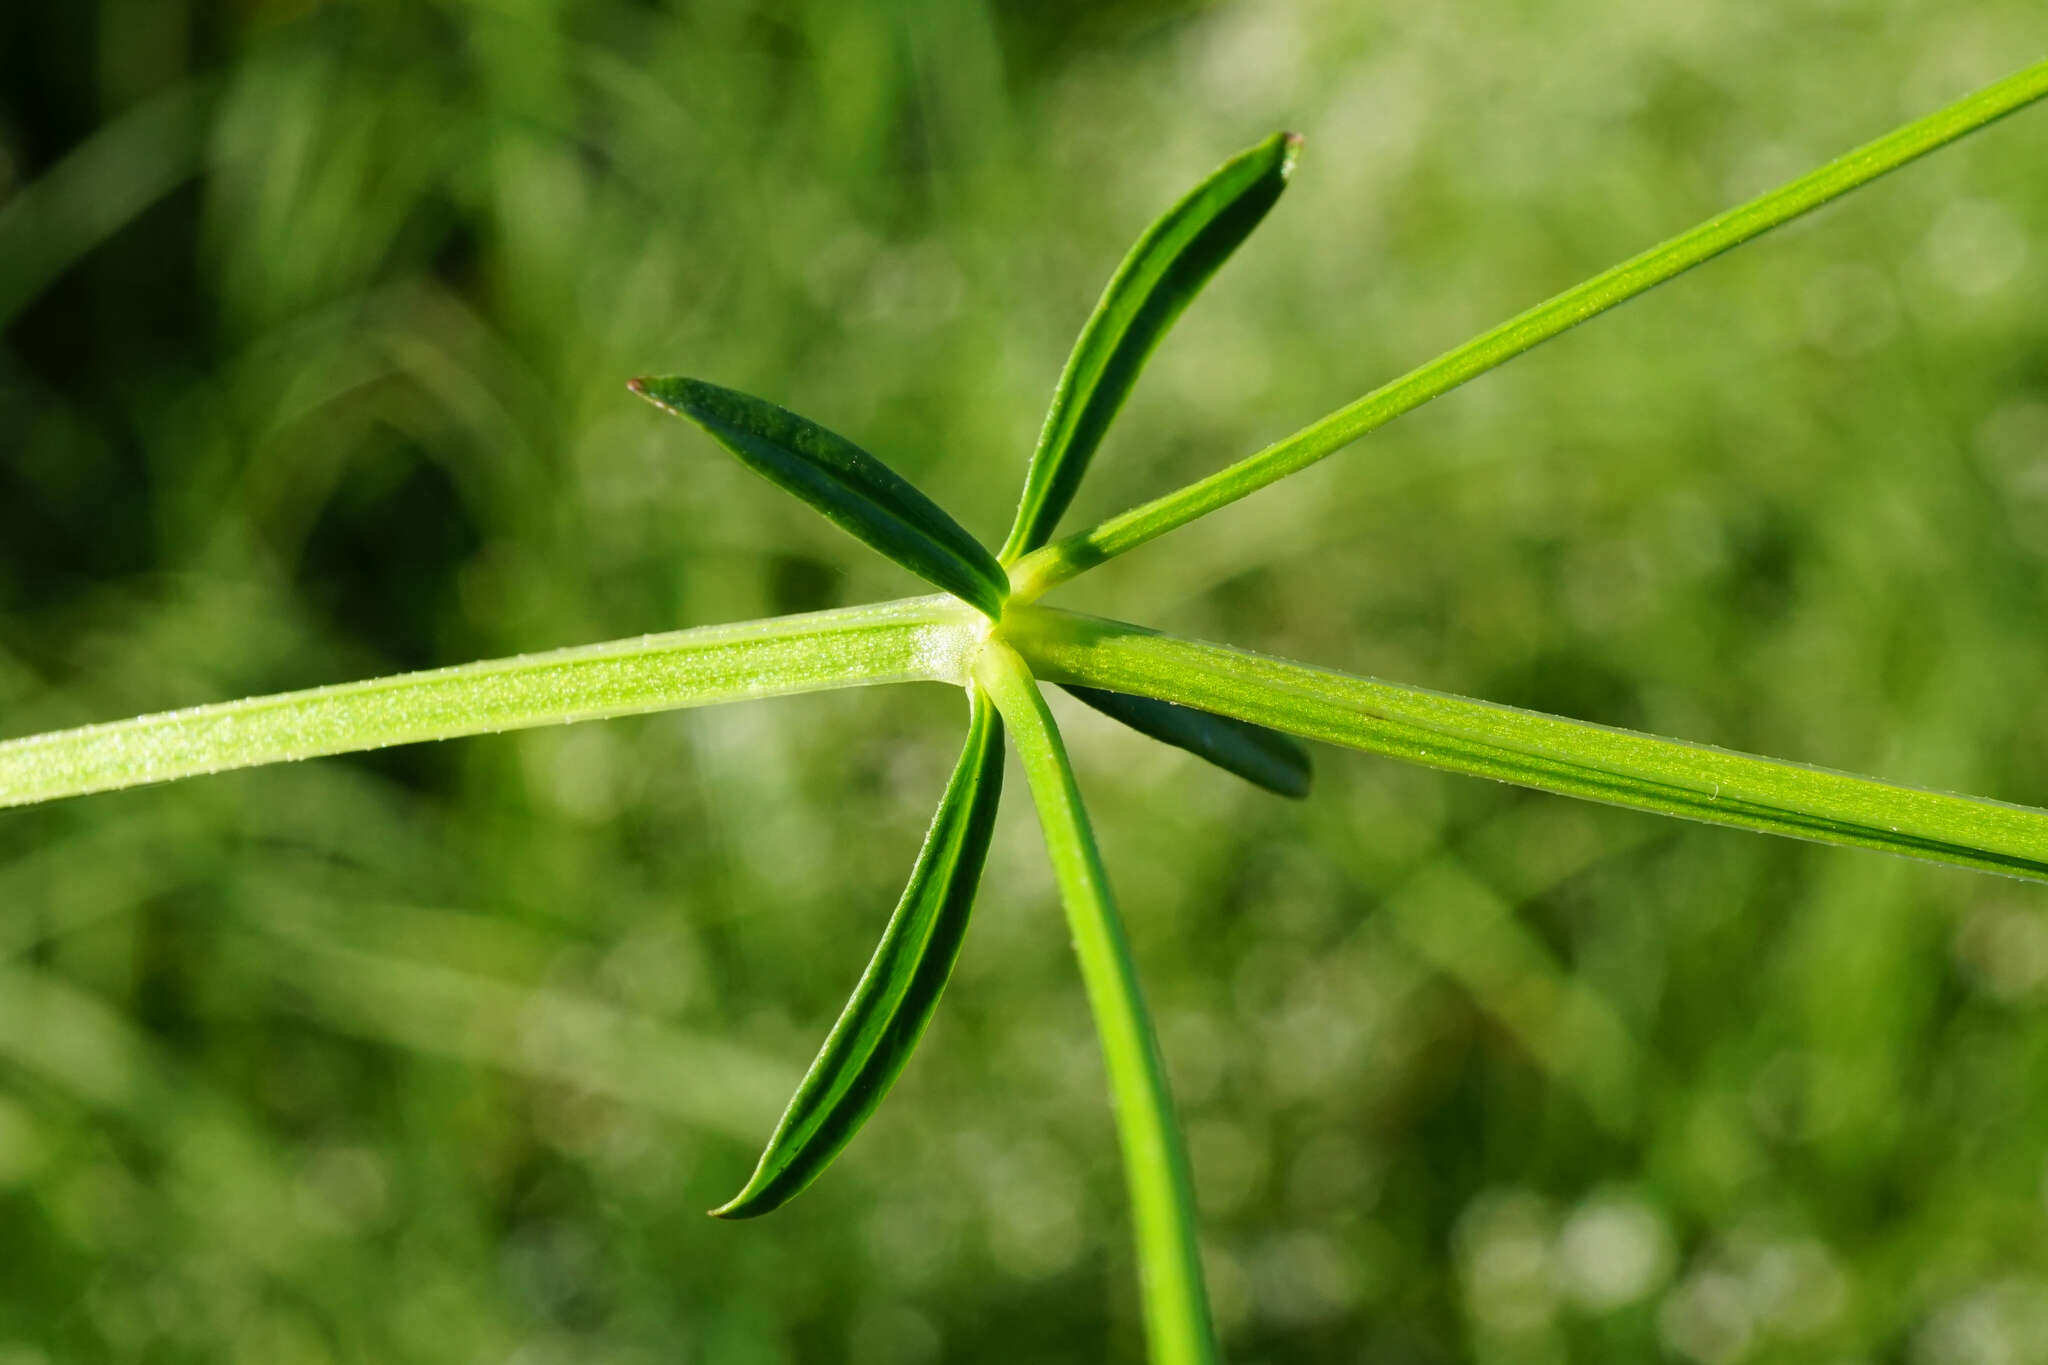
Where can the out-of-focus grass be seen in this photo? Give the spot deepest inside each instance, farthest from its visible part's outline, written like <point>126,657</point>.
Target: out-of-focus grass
<point>317,320</point>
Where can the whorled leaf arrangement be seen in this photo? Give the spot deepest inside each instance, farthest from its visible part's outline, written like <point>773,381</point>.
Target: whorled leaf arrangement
<point>986,634</point>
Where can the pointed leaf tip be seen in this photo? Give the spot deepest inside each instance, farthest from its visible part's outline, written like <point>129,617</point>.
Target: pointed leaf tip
<point>886,1016</point>
<point>1170,264</point>
<point>854,490</point>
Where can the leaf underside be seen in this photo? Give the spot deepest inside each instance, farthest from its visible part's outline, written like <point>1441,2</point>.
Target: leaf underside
<point>1262,757</point>
<point>1162,274</point>
<point>889,1009</point>
<point>854,490</point>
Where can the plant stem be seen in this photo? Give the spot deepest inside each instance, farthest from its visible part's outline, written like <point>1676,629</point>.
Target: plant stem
<point>1551,753</point>
<point>1176,1305</point>
<point>912,639</point>
<point>1063,559</point>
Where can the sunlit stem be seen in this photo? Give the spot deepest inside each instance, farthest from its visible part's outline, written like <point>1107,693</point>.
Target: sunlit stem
<point>919,638</point>
<point>1063,559</point>
<point>1176,1305</point>
<point>1551,753</point>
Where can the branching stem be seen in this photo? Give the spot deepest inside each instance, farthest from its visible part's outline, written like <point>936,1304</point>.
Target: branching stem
<point>1033,575</point>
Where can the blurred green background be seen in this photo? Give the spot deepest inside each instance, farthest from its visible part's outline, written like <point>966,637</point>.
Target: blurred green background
<point>317,318</point>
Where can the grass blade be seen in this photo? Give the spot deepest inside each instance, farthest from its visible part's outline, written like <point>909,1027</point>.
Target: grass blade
<point>1158,279</point>
<point>854,490</point>
<point>915,639</point>
<point>1063,559</point>
<point>882,1023</point>
<point>1576,758</point>
<point>1262,757</point>
<point>1176,1304</point>
<point>127,165</point>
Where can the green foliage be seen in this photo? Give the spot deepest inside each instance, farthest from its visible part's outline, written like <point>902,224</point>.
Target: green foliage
<point>899,990</point>
<point>259,1065</point>
<point>1254,753</point>
<point>1171,262</point>
<point>856,491</point>
<point>1085,549</point>
<point>1619,767</point>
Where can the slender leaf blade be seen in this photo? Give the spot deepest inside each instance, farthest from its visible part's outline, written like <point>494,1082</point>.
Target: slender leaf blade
<point>894,1000</point>
<point>855,491</point>
<point>1164,271</point>
<point>1262,757</point>
<point>1053,564</point>
<point>1178,1330</point>
<point>1551,753</point>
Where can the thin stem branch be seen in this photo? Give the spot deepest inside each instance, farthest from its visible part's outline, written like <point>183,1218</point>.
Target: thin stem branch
<point>913,639</point>
<point>1063,559</point>
<point>1155,1160</point>
<point>1551,753</point>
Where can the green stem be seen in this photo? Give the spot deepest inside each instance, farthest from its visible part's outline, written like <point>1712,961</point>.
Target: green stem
<point>918,638</point>
<point>1176,1305</point>
<point>1551,753</point>
<point>1063,559</point>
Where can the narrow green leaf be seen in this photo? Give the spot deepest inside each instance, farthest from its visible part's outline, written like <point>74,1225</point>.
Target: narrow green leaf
<point>1551,753</point>
<point>1262,757</point>
<point>856,491</point>
<point>1157,280</point>
<point>1175,1301</point>
<point>914,639</point>
<point>897,993</point>
<point>102,184</point>
<point>1050,565</point>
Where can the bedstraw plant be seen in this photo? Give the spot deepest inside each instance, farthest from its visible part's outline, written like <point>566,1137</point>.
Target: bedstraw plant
<point>987,633</point>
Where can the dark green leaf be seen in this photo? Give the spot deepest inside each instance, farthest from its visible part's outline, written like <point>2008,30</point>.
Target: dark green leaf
<point>897,994</point>
<point>1162,274</point>
<point>1262,757</point>
<point>853,488</point>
